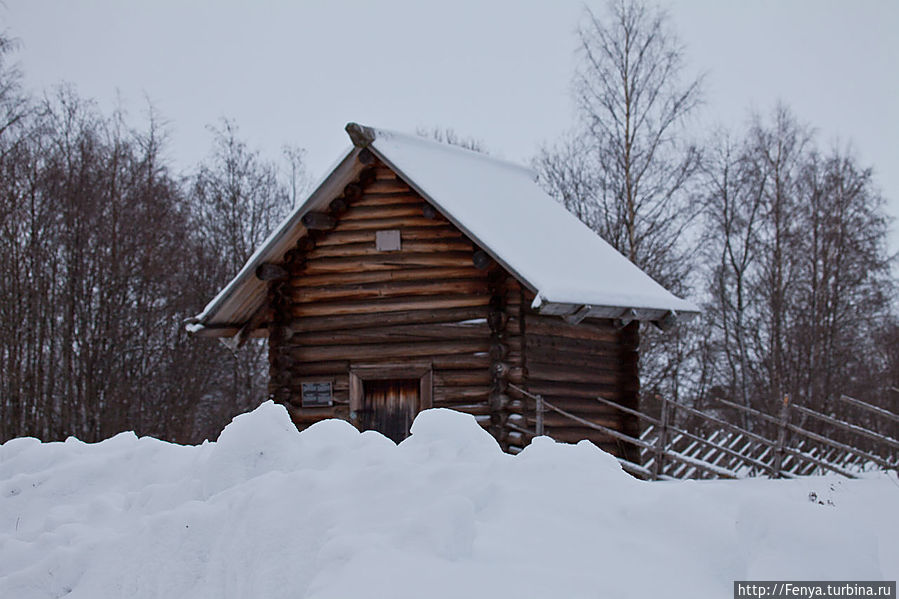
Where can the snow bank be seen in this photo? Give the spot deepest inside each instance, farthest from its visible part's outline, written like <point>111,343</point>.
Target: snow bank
<point>334,513</point>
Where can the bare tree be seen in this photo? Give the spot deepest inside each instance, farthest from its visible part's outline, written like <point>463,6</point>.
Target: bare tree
<point>238,198</point>
<point>632,170</point>
<point>448,135</point>
<point>626,169</point>
<point>799,283</point>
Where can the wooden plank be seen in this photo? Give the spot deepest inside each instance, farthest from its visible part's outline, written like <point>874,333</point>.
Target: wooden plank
<point>382,352</point>
<point>557,327</point>
<point>619,361</point>
<point>382,276</point>
<point>373,224</point>
<point>385,261</point>
<point>547,344</point>
<point>387,186</point>
<point>448,396</point>
<point>853,428</point>
<point>307,416</point>
<point>866,406</point>
<point>395,304</point>
<point>356,212</point>
<point>758,438</point>
<point>318,221</point>
<point>357,321</point>
<point>555,389</point>
<point>705,442</point>
<point>446,233</point>
<point>390,289</point>
<point>842,446</point>
<point>369,249</point>
<point>396,332</point>
<point>387,199</point>
<point>462,378</point>
<point>320,367</point>
<point>555,372</point>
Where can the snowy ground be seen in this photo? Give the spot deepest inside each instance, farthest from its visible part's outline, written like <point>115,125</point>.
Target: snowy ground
<point>331,513</point>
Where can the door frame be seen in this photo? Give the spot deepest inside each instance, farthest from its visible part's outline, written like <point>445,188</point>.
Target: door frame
<point>359,373</point>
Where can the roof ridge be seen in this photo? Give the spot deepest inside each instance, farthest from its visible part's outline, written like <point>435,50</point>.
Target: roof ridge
<point>364,135</point>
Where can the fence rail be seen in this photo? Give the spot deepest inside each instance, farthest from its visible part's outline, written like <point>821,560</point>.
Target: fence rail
<point>670,451</point>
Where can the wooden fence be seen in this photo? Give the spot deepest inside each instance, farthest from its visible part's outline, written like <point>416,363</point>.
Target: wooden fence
<point>716,448</point>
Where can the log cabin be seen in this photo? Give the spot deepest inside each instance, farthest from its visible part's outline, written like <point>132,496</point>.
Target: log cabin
<point>420,275</point>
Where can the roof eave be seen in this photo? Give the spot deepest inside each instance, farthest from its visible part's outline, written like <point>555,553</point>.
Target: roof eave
<point>218,314</point>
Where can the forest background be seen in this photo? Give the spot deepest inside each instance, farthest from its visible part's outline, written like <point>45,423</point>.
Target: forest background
<point>106,249</point>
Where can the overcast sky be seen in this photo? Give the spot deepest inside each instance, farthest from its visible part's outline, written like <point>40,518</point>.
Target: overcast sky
<point>296,72</point>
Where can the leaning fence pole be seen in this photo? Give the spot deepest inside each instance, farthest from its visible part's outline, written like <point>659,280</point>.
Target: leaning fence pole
<point>539,415</point>
<point>661,440</point>
<point>781,437</point>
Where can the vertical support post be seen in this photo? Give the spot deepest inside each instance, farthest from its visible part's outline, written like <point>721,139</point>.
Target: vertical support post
<point>499,369</point>
<point>781,437</point>
<point>539,413</point>
<point>661,440</point>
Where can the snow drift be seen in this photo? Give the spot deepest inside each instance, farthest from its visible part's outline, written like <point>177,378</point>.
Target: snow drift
<point>334,513</point>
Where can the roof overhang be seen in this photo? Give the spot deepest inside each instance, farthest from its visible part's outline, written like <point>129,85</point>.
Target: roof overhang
<point>236,310</point>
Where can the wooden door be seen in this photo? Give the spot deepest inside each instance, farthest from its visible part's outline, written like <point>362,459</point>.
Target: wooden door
<point>389,406</point>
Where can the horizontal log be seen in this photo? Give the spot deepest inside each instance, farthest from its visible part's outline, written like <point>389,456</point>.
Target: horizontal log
<point>338,205</point>
<point>460,361</point>
<point>387,186</point>
<point>621,393</point>
<point>392,333</point>
<point>447,396</point>
<point>407,245</point>
<point>556,372</point>
<point>601,372</point>
<point>408,197</point>
<point>376,352</point>
<point>553,420</point>
<point>357,321</point>
<point>557,327</point>
<point>374,224</point>
<point>444,233</point>
<point>318,221</point>
<point>366,156</point>
<point>380,171</point>
<point>481,259</point>
<point>385,261</point>
<point>585,408</point>
<point>355,212</point>
<point>307,416</point>
<point>338,369</point>
<point>618,361</point>
<point>462,378</point>
<point>352,191</point>
<point>325,368</point>
<point>363,291</point>
<point>271,272</point>
<point>382,276</point>
<point>547,344</point>
<point>475,409</point>
<point>393,304</point>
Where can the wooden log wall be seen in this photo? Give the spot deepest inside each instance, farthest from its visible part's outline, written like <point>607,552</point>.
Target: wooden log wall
<point>569,365</point>
<point>440,301</point>
<point>346,303</point>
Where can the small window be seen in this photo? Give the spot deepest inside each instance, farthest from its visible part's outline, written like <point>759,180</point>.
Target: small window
<point>388,241</point>
<point>317,395</point>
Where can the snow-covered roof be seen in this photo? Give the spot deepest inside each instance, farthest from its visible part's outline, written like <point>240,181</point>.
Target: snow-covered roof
<point>502,208</point>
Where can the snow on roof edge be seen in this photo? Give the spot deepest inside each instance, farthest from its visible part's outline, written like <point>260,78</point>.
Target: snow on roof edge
<point>387,134</point>
<point>271,241</point>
